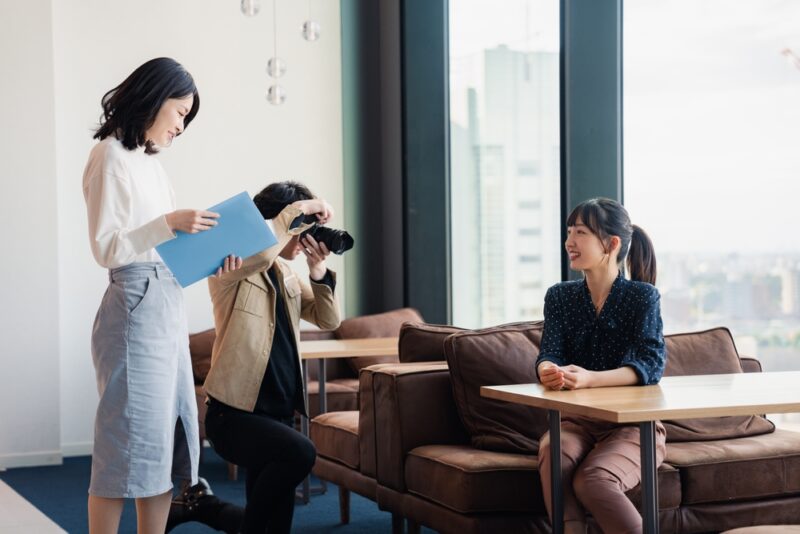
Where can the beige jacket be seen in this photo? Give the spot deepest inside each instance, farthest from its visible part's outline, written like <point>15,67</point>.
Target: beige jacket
<point>244,317</point>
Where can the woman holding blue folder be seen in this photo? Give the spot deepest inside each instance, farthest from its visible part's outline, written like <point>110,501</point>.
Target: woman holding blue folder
<point>146,424</point>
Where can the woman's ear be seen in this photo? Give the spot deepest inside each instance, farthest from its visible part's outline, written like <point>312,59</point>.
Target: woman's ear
<point>614,243</point>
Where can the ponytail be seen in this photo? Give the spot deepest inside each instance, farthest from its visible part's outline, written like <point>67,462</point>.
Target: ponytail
<point>641,257</point>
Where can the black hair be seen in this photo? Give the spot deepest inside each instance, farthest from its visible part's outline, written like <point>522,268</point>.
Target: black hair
<point>131,108</point>
<point>606,218</point>
<point>273,198</point>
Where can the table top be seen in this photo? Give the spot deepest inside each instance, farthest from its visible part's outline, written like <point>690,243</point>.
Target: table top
<point>675,397</point>
<point>348,348</point>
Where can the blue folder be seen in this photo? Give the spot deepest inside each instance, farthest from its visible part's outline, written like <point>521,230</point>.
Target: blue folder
<point>241,231</point>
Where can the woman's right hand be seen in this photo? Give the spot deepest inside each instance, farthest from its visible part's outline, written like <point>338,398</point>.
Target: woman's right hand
<point>551,376</point>
<point>316,206</point>
<point>191,221</point>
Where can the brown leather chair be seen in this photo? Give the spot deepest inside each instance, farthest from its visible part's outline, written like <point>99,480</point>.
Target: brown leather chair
<point>346,441</point>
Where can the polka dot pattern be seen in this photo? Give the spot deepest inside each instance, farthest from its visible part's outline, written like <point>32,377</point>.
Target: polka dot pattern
<point>627,332</point>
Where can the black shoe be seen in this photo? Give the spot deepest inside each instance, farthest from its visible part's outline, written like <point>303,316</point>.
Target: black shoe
<point>198,503</point>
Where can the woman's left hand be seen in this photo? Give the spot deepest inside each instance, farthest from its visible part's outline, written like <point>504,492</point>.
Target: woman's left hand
<point>576,377</point>
<point>315,252</point>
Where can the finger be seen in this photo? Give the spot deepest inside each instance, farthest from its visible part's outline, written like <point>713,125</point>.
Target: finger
<point>219,271</point>
<point>238,262</point>
<point>227,264</point>
<point>208,214</point>
<point>324,249</point>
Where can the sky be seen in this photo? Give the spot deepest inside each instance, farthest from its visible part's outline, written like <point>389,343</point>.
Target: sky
<point>711,112</point>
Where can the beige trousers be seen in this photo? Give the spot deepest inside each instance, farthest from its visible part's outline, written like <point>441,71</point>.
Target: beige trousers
<point>600,461</point>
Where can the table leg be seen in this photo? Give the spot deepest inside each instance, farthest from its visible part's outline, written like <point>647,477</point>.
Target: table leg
<point>323,398</point>
<point>306,489</point>
<point>556,490</point>
<point>647,433</point>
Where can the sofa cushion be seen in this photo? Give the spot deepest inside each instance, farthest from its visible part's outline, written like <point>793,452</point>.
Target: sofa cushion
<point>469,480</point>
<point>494,356</point>
<point>706,353</point>
<point>200,345</point>
<point>744,468</point>
<point>423,342</point>
<point>378,325</point>
<point>335,435</point>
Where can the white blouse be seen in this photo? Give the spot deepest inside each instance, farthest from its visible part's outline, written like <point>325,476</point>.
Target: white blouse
<point>128,195</point>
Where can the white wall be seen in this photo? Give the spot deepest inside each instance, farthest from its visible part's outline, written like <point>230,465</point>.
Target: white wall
<point>29,380</point>
<point>237,142</point>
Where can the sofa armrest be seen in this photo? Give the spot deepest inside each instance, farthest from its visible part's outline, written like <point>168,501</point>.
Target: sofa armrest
<point>414,406</point>
<point>750,364</point>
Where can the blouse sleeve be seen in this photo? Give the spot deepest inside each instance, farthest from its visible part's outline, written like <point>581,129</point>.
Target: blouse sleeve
<point>648,355</point>
<point>552,348</point>
<point>114,244</point>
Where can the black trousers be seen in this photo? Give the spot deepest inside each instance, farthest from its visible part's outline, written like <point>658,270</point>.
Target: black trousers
<point>276,456</point>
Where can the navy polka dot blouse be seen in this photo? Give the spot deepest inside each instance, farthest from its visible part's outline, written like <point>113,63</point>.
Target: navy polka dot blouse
<point>628,331</point>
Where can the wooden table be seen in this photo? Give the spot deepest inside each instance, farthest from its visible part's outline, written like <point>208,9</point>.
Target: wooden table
<point>678,397</point>
<point>324,349</point>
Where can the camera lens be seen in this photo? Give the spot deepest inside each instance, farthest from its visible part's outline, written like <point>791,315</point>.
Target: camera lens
<point>337,241</point>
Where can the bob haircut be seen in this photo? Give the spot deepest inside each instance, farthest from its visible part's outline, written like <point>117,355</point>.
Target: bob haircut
<point>130,108</point>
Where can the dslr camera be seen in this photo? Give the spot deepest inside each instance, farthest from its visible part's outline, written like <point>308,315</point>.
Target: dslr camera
<point>337,241</point>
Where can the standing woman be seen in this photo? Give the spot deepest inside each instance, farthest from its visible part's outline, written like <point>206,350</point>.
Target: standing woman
<point>146,423</point>
<point>604,330</point>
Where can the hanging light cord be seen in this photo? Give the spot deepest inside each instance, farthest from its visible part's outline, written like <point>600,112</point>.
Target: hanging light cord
<point>275,28</point>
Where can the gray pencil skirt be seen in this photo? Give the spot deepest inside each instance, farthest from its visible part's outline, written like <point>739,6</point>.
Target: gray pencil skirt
<point>146,429</point>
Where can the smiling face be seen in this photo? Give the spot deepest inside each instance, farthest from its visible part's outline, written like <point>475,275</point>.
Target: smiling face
<point>585,249</point>
<point>168,123</point>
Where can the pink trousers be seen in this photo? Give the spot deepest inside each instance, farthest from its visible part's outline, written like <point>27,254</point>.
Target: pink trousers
<point>600,461</point>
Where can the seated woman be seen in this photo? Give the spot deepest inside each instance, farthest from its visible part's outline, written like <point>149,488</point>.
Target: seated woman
<point>604,330</point>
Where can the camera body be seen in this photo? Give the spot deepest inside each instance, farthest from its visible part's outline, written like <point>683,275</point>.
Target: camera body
<point>337,241</point>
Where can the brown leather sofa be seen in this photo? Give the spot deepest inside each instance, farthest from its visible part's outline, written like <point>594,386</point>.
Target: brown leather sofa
<point>346,441</point>
<point>720,473</point>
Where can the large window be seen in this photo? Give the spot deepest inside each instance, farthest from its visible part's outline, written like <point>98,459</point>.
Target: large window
<point>504,135</point>
<point>712,168</point>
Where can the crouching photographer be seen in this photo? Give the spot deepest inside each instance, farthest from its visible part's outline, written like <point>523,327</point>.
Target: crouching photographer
<point>255,384</point>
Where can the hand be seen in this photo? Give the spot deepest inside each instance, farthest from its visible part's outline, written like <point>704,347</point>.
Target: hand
<point>576,377</point>
<point>191,221</point>
<point>231,263</point>
<point>315,252</point>
<point>551,376</point>
<point>316,206</point>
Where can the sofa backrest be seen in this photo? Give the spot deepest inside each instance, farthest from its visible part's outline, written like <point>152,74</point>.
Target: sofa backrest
<point>504,354</point>
<point>708,352</point>
<point>423,342</point>
<point>385,324</point>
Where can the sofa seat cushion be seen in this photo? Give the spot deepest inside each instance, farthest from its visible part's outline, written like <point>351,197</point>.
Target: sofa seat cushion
<point>468,480</point>
<point>707,353</point>
<point>342,394</point>
<point>335,435</point>
<point>743,468</point>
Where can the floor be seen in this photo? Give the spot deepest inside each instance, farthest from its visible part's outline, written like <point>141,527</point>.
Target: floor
<point>18,515</point>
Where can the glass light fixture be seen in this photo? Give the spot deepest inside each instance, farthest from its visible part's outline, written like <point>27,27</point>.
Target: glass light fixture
<point>276,67</point>
<point>310,28</point>
<point>276,95</point>
<point>250,8</point>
